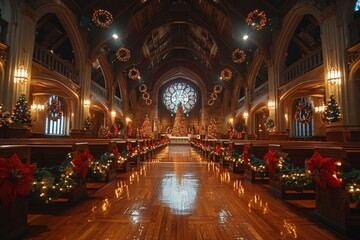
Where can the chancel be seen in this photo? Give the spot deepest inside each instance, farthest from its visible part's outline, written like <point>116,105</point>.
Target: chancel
<point>179,119</point>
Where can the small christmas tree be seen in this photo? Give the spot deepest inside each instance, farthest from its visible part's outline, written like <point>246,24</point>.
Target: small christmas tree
<point>5,117</point>
<point>146,128</point>
<point>179,128</point>
<point>21,113</point>
<point>89,123</point>
<point>213,129</point>
<point>332,112</point>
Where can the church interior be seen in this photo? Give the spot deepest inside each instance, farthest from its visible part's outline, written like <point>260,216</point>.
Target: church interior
<point>179,119</point>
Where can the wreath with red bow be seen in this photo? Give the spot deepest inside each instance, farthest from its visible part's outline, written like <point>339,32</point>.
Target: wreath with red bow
<point>54,110</point>
<point>303,112</point>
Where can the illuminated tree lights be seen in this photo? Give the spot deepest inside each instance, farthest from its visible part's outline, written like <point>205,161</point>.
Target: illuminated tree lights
<point>332,112</point>
<point>21,113</point>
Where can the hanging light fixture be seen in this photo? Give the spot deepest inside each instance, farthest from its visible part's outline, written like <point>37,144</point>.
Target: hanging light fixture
<point>21,74</point>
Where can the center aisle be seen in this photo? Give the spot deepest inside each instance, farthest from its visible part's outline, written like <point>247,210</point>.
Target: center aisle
<point>178,195</point>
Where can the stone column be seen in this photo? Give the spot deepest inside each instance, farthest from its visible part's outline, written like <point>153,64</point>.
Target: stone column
<point>85,82</point>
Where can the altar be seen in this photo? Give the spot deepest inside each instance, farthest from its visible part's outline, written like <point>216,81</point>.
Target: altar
<point>179,139</point>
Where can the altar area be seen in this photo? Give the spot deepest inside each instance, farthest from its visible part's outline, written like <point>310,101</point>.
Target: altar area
<point>179,139</point>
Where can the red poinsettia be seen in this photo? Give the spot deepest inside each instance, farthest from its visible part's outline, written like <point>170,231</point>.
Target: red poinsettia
<point>116,153</point>
<point>15,178</point>
<point>131,149</point>
<point>323,170</point>
<point>82,162</point>
<point>218,149</point>
<point>271,161</point>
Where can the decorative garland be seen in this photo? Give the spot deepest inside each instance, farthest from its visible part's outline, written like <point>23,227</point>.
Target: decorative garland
<point>303,112</point>
<point>134,74</point>
<point>256,19</point>
<point>123,54</point>
<point>218,88</point>
<point>102,18</point>
<point>214,96</point>
<point>145,95</point>
<point>211,102</point>
<point>142,88</point>
<point>238,56</point>
<point>226,74</point>
<point>54,110</point>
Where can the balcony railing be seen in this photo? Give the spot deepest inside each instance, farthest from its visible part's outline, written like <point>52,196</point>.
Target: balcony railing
<point>117,102</point>
<point>354,29</point>
<point>241,103</point>
<point>260,91</point>
<point>98,90</point>
<point>55,63</point>
<point>302,66</point>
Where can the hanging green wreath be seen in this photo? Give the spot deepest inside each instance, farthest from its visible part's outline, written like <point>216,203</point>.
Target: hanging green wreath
<point>303,112</point>
<point>54,110</point>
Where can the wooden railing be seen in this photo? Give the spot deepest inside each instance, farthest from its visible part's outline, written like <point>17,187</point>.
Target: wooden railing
<point>55,63</point>
<point>354,29</point>
<point>98,90</point>
<point>260,91</point>
<point>117,102</point>
<point>302,66</point>
<point>241,103</point>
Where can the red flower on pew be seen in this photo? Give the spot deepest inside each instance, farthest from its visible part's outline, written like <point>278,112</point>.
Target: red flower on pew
<point>323,170</point>
<point>15,178</point>
<point>271,161</point>
<point>131,149</point>
<point>116,153</point>
<point>218,149</point>
<point>82,162</point>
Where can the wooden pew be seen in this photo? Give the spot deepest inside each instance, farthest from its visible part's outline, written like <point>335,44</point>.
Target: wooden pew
<point>236,167</point>
<point>13,216</point>
<point>259,150</point>
<point>333,205</point>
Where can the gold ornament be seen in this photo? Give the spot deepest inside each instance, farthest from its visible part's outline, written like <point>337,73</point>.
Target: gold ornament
<point>142,88</point>
<point>102,18</point>
<point>123,54</point>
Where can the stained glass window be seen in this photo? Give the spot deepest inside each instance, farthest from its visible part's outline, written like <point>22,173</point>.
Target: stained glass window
<point>357,5</point>
<point>179,92</point>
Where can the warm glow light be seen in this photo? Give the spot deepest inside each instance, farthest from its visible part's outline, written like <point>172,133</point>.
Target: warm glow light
<point>231,120</point>
<point>245,115</point>
<point>320,109</point>
<point>271,104</point>
<point>113,113</point>
<point>38,107</point>
<point>334,76</point>
<point>128,119</point>
<point>86,103</point>
<point>286,116</point>
<point>21,75</point>
<point>115,36</point>
<point>245,37</point>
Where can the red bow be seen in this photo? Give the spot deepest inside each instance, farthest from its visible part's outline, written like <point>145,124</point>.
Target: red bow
<point>271,161</point>
<point>323,170</point>
<point>81,163</point>
<point>15,178</point>
<point>245,155</point>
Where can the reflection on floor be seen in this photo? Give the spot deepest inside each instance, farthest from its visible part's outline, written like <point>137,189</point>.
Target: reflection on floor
<point>177,195</point>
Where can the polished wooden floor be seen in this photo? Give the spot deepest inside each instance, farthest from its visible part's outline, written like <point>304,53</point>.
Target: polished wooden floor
<point>177,195</point>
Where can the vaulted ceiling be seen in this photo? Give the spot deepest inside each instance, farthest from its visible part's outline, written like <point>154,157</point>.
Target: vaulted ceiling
<point>198,34</point>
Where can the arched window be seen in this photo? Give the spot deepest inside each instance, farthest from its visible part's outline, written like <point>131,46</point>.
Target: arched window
<point>179,92</point>
<point>55,119</point>
<point>304,121</point>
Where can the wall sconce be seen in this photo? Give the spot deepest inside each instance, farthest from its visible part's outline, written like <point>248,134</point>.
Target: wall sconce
<point>231,121</point>
<point>37,107</point>
<point>271,104</point>
<point>113,113</point>
<point>286,116</point>
<point>334,75</point>
<point>127,120</point>
<point>320,109</point>
<point>21,74</point>
<point>246,115</point>
<point>86,103</point>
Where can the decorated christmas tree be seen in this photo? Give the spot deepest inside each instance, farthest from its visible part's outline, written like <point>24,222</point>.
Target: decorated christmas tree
<point>146,128</point>
<point>5,118</point>
<point>179,128</point>
<point>89,123</point>
<point>21,113</point>
<point>213,129</point>
<point>332,112</point>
